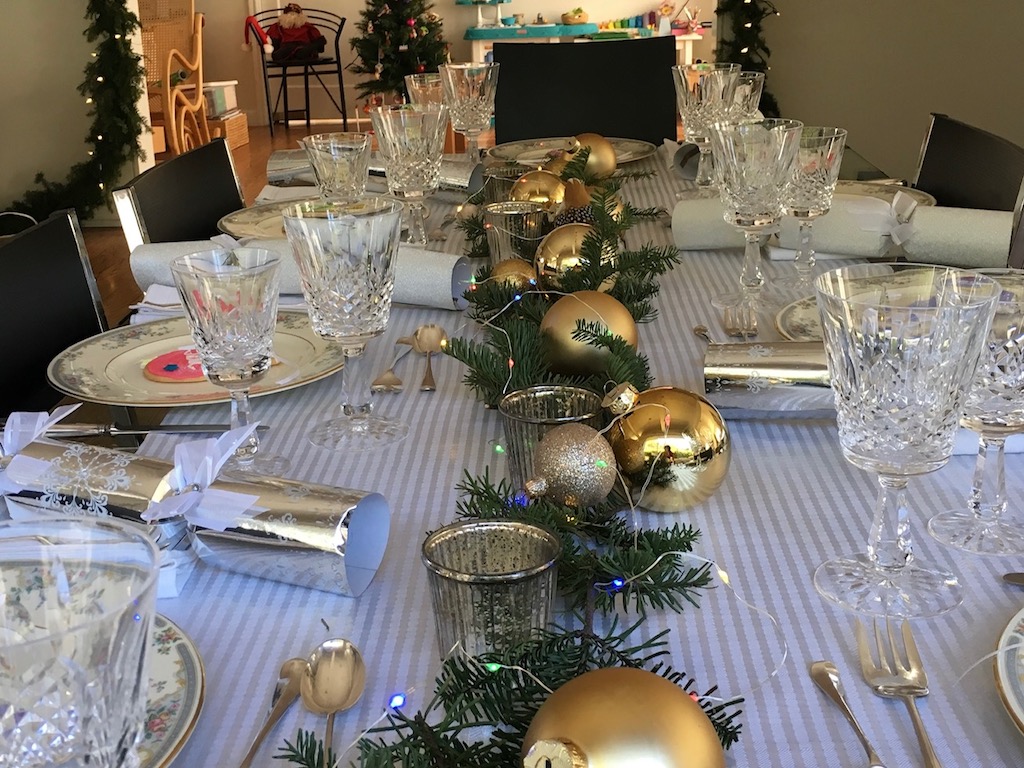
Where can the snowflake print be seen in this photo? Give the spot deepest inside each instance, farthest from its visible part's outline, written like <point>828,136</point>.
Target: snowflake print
<point>759,350</point>
<point>83,477</point>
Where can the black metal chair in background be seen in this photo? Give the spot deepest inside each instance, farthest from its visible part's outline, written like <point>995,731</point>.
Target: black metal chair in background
<point>331,26</point>
<point>615,88</point>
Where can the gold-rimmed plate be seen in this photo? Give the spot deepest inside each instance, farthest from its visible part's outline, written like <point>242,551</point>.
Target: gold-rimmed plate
<point>177,686</point>
<point>800,321</point>
<point>536,151</point>
<point>108,368</point>
<point>265,221</point>
<point>1009,668</point>
<point>882,191</point>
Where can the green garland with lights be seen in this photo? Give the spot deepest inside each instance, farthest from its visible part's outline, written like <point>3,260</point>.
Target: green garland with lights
<point>742,41</point>
<point>113,84</point>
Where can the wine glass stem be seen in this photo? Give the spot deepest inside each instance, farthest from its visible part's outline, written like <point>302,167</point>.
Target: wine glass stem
<point>751,277</point>
<point>355,395</point>
<point>472,147</point>
<point>803,262</point>
<point>705,167</point>
<point>890,545</point>
<point>415,215</point>
<point>241,416</point>
<point>988,492</point>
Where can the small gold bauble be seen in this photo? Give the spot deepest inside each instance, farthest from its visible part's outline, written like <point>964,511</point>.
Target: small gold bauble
<point>516,273</point>
<point>541,187</point>
<point>686,434</point>
<point>621,717</point>
<point>565,354</point>
<point>574,465</point>
<point>602,161</point>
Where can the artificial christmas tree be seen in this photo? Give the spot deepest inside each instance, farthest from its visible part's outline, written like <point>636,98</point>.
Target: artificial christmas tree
<point>742,41</point>
<point>399,38</point>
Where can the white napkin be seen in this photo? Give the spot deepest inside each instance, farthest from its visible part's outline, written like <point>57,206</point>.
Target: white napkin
<point>272,194</point>
<point>959,237</point>
<point>698,224</point>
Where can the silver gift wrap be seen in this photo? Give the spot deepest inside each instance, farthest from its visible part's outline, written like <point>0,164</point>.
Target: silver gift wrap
<point>306,534</point>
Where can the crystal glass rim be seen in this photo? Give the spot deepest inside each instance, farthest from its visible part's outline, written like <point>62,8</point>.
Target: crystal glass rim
<point>423,77</point>
<point>709,66</point>
<point>512,206</point>
<point>429,108</point>
<point>506,403</point>
<point>823,133</point>
<point>469,65</point>
<point>57,522</point>
<point>183,264</point>
<point>770,123</point>
<point>824,281</point>
<point>547,536</point>
<point>347,137</point>
<point>343,208</point>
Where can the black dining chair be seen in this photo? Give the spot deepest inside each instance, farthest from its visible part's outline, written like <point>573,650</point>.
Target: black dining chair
<point>182,198</point>
<point>962,166</point>
<point>328,63</point>
<point>615,88</point>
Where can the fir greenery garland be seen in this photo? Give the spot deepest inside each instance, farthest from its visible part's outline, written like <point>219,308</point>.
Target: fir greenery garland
<point>113,84</point>
<point>743,41</point>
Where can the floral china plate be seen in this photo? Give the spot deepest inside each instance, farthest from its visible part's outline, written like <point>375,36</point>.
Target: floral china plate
<point>800,320</point>
<point>535,151</point>
<point>1009,668</point>
<point>264,221</point>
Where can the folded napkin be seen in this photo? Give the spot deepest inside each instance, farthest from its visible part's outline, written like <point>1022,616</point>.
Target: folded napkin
<point>959,237</point>
<point>272,194</point>
<point>698,223</point>
<point>423,278</point>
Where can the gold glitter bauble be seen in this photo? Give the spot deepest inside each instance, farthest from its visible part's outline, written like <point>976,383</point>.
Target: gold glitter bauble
<point>686,434</point>
<point>621,717</point>
<point>517,273</point>
<point>566,355</point>
<point>541,187</point>
<point>602,161</point>
<point>574,465</point>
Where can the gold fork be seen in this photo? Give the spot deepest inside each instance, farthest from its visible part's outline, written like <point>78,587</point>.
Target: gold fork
<point>893,678</point>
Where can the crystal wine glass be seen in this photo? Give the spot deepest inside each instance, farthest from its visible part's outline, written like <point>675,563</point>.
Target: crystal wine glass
<point>902,343</point>
<point>230,301</point>
<point>754,163</point>
<point>346,252</point>
<point>808,195</point>
<point>469,93</point>
<point>704,96</point>
<point>995,410</point>
<point>341,162</point>
<point>424,88</point>
<point>411,142</point>
<point>746,100</point>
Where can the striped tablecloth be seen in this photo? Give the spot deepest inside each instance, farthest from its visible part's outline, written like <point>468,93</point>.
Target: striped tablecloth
<point>789,502</point>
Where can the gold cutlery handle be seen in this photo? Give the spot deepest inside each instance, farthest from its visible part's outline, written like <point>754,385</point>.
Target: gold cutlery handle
<point>428,384</point>
<point>931,760</point>
<point>288,696</point>
<point>826,677</point>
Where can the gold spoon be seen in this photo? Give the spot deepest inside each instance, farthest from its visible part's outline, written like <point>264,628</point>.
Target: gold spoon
<point>333,681</point>
<point>429,340</point>
<point>286,691</point>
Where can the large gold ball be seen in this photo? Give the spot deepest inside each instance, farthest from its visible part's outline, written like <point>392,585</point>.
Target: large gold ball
<point>566,355</point>
<point>560,251</point>
<point>541,187</point>
<point>686,434</point>
<point>602,161</point>
<point>516,273</point>
<point>573,464</point>
<point>621,717</point>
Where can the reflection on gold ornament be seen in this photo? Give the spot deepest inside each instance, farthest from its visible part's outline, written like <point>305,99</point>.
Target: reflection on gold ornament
<point>557,163</point>
<point>688,437</point>
<point>602,161</point>
<point>516,273</point>
<point>621,717</point>
<point>566,355</point>
<point>573,465</point>
<point>541,187</point>
<point>559,251</point>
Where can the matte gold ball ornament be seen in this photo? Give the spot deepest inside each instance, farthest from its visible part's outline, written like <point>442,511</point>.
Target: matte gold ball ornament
<point>621,717</point>
<point>574,465</point>
<point>602,161</point>
<point>567,355</point>
<point>541,187</point>
<point>686,434</point>
<point>515,273</point>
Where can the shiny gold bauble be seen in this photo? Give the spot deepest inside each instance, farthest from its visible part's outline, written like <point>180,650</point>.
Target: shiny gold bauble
<point>602,161</point>
<point>621,717</point>
<point>559,251</point>
<point>557,163</point>
<point>541,187</point>
<point>516,273</point>
<point>566,355</point>
<point>574,465</point>
<point>686,434</point>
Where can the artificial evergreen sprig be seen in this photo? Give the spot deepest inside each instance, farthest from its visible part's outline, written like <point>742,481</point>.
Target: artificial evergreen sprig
<point>307,751</point>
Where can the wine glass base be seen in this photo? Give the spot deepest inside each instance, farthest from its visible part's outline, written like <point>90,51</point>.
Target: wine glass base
<point>264,465</point>
<point>795,285</point>
<point>358,433</point>
<point>911,592</point>
<point>964,530</point>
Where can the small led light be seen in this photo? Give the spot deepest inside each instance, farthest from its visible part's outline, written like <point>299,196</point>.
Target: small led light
<point>600,463</point>
<point>499,448</point>
<point>89,100</point>
<point>492,666</point>
<point>397,700</point>
<point>744,50</point>
<point>99,79</point>
<point>618,583</point>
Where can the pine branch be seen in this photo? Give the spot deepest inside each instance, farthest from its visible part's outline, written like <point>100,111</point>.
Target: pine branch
<point>307,751</point>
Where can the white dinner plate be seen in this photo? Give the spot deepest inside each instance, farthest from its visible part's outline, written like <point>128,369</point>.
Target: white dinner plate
<point>108,368</point>
<point>177,685</point>
<point>263,221</point>
<point>535,151</point>
<point>1010,668</point>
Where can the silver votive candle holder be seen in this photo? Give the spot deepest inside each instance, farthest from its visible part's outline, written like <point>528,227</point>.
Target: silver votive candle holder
<point>499,180</point>
<point>492,583</point>
<point>514,230</point>
<point>531,413</point>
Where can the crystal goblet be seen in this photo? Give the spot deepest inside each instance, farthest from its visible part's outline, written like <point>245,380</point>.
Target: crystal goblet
<point>704,96</point>
<point>469,93</point>
<point>411,141</point>
<point>808,195</point>
<point>746,100</point>
<point>346,252</point>
<point>995,410</point>
<point>341,162</point>
<point>902,343</point>
<point>424,88</point>
<point>76,615</point>
<point>754,163</point>
<point>230,301</point>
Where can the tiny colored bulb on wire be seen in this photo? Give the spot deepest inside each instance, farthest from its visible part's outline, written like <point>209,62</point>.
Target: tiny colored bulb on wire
<point>492,666</point>
<point>397,700</point>
<point>618,583</point>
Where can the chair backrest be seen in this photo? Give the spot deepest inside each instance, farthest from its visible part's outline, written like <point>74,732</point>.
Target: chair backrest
<point>182,198</point>
<point>967,167</point>
<point>615,88</point>
<point>50,301</point>
<point>330,25</point>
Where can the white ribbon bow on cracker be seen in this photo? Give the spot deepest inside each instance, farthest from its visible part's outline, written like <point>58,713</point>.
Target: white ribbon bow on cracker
<point>893,220</point>
<point>21,429</point>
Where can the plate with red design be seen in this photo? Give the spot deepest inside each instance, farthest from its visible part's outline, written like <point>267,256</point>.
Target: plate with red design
<point>177,684</point>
